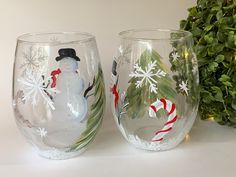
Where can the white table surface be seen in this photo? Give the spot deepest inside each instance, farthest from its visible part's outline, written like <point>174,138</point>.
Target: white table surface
<point>210,151</point>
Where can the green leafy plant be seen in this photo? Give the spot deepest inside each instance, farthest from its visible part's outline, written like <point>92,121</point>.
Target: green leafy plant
<point>95,116</point>
<point>140,98</point>
<point>213,25</point>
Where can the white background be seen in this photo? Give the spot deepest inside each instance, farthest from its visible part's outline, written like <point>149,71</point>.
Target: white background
<point>210,150</point>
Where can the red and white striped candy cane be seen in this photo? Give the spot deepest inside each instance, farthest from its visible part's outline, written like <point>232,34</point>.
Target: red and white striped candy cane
<point>172,117</point>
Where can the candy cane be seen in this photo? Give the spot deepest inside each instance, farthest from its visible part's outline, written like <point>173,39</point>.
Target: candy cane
<point>172,117</point>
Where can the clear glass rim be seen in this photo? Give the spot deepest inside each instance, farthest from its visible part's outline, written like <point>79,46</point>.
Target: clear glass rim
<point>87,37</point>
<point>127,34</point>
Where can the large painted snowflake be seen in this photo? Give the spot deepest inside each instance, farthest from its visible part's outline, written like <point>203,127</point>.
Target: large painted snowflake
<point>146,76</point>
<point>35,88</point>
<point>33,58</point>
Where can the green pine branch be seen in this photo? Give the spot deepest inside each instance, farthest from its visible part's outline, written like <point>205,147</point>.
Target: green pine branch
<point>140,99</point>
<point>95,114</point>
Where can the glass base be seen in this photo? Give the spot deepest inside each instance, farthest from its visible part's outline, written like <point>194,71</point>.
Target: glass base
<point>55,154</point>
<point>55,145</point>
<point>141,139</point>
<point>146,133</point>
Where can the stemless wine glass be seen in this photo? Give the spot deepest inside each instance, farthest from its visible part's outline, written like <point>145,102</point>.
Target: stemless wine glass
<point>154,87</point>
<point>58,92</point>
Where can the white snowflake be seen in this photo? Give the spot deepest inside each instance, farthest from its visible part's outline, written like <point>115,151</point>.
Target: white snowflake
<point>184,86</point>
<point>33,58</point>
<point>175,56</point>
<point>42,132</point>
<point>146,76</point>
<point>34,87</point>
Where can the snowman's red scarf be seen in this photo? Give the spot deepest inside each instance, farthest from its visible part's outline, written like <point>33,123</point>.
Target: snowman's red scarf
<point>54,79</point>
<point>116,94</point>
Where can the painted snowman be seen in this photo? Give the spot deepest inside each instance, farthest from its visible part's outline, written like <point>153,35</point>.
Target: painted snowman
<point>70,103</point>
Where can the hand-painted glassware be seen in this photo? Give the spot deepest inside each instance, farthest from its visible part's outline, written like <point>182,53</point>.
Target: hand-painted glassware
<point>154,87</point>
<point>58,92</point>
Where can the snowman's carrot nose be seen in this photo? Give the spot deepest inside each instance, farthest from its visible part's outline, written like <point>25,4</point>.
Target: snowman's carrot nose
<point>54,79</point>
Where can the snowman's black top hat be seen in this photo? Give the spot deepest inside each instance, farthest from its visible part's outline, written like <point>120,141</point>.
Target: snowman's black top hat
<point>67,52</point>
